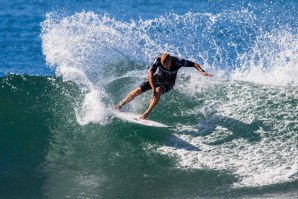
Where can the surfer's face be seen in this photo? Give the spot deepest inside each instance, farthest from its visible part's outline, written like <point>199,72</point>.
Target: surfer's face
<point>167,64</point>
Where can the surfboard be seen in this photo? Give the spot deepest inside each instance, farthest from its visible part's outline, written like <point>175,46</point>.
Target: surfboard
<point>131,117</point>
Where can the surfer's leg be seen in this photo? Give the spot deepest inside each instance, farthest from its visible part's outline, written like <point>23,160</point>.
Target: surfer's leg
<point>153,103</point>
<point>136,92</point>
<point>145,86</point>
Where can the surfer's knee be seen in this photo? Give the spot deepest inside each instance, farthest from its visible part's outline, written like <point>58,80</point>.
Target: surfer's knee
<point>138,90</point>
<point>134,93</point>
<point>159,91</point>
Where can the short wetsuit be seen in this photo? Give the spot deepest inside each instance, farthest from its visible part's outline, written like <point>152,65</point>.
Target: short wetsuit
<point>165,78</point>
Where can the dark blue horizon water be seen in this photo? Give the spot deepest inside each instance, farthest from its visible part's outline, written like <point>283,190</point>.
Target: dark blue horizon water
<point>20,32</point>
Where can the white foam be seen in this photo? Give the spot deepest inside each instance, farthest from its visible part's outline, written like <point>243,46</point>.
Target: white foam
<point>92,109</point>
<point>272,60</point>
<point>230,109</point>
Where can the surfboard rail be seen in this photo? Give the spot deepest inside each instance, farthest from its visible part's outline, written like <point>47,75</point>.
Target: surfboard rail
<point>134,118</point>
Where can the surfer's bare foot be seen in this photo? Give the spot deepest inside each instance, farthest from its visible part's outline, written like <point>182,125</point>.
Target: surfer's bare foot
<point>117,107</point>
<point>144,116</point>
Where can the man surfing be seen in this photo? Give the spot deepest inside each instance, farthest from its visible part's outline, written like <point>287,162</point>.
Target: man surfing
<point>161,79</point>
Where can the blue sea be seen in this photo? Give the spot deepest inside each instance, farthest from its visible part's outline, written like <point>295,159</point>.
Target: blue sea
<point>63,64</point>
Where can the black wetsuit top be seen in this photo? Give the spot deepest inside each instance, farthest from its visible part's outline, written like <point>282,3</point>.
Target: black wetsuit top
<point>165,78</point>
<point>169,75</point>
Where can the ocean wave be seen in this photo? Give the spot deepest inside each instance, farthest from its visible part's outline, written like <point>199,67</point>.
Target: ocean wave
<point>245,121</point>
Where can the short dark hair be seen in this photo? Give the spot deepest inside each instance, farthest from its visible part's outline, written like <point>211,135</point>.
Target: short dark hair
<point>165,58</point>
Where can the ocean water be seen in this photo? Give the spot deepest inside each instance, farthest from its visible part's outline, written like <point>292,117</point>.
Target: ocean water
<point>64,63</point>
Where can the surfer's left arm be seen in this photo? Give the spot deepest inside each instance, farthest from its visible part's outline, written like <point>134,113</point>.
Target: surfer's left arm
<point>199,68</point>
<point>188,63</point>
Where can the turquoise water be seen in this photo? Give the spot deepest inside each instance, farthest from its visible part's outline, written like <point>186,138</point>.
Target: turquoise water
<point>63,64</point>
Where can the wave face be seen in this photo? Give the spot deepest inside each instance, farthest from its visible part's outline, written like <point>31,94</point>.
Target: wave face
<point>230,139</point>
<point>234,135</point>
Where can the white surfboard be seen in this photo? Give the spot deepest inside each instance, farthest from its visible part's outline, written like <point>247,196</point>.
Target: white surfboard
<point>131,117</point>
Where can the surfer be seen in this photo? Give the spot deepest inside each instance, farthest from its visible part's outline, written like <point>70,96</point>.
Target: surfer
<point>161,79</point>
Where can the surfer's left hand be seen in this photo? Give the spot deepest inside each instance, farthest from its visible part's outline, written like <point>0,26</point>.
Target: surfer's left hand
<point>207,74</point>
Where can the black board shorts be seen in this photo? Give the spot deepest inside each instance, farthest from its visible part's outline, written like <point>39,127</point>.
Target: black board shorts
<point>165,86</point>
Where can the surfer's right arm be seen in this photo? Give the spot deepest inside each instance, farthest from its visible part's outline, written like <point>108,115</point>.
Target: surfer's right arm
<point>150,76</point>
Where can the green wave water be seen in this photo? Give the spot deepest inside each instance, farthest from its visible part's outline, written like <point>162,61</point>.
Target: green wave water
<point>231,139</point>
